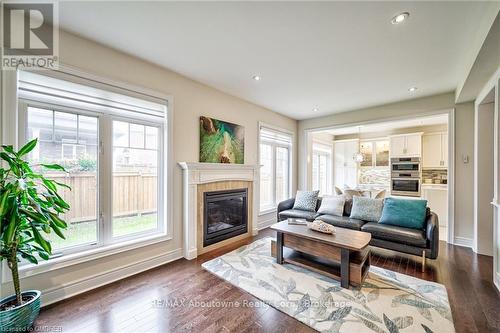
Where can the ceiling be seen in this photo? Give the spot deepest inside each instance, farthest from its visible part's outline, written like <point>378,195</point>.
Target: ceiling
<point>389,126</point>
<point>334,56</point>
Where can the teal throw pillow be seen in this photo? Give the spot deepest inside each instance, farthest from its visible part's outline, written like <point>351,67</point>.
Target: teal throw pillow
<point>407,213</point>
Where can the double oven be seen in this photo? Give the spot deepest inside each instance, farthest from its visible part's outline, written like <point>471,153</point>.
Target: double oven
<point>405,176</point>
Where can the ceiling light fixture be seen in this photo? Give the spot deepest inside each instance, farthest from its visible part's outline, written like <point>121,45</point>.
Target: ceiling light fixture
<point>412,89</point>
<point>400,18</point>
<point>315,110</point>
<point>358,156</point>
<point>256,77</point>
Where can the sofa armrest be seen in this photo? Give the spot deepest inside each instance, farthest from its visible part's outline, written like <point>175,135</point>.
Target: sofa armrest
<point>284,205</point>
<point>432,234</point>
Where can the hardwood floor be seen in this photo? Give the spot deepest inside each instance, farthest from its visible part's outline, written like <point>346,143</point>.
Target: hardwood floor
<point>138,303</point>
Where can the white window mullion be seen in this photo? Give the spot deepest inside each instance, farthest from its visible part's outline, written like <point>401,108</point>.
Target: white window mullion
<point>274,174</point>
<point>105,180</point>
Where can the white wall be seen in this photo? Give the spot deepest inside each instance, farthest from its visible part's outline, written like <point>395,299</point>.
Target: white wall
<point>483,179</point>
<point>191,100</point>
<point>464,174</point>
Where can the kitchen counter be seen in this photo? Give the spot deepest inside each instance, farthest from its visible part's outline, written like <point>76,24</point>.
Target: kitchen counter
<point>426,186</point>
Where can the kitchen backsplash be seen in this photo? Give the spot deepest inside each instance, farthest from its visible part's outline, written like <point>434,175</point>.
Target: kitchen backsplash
<point>382,175</point>
<point>434,174</point>
<point>375,175</point>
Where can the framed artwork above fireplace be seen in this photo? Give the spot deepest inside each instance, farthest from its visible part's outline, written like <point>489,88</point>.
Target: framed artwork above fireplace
<point>221,141</point>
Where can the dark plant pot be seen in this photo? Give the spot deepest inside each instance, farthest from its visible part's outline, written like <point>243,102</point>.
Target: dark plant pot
<point>21,318</point>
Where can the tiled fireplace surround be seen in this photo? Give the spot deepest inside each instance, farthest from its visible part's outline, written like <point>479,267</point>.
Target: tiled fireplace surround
<point>206,177</point>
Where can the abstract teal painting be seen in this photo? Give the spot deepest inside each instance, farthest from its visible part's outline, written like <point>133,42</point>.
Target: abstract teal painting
<point>221,142</point>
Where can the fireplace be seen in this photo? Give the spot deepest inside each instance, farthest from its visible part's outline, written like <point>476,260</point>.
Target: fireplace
<point>225,215</point>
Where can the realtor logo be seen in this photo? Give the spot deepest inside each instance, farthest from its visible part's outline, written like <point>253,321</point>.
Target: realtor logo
<point>29,35</point>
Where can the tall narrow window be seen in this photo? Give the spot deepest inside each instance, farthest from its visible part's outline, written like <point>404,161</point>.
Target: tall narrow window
<point>69,139</point>
<point>322,168</point>
<point>111,144</point>
<point>275,161</point>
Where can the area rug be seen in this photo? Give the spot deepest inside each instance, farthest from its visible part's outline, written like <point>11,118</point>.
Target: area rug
<point>386,302</point>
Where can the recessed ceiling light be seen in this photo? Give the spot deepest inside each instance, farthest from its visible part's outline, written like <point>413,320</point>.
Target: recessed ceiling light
<point>315,110</point>
<point>412,89</point>
<point>256,77</point>
<point>400,18</point>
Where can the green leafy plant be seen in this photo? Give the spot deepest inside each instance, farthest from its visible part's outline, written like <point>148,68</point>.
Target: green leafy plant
<point>29,209</point>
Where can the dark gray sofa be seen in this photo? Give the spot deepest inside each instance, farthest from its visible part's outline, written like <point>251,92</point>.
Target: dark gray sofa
<point>423,242</point>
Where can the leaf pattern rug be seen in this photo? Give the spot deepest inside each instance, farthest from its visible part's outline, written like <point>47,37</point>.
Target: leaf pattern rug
<point>387,301</point>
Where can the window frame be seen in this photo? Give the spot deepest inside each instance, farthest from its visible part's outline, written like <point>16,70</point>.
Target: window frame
<point>272,208</point>
<point>160,228</point>
<point>104,198</point>
<point>14,124</point>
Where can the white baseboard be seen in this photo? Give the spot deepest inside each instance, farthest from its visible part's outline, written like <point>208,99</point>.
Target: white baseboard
<point>266,223</point>
<point>463,241</point>
<point>58,293</point>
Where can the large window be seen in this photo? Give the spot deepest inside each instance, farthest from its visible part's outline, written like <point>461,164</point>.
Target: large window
<point>112,148</point>
<point>322,168</point>
<point>275,161</point>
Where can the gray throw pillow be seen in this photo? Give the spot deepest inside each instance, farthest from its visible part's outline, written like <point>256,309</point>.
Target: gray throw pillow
<point>332,206</point>
<point>366,209</point>
<point>306,200</point>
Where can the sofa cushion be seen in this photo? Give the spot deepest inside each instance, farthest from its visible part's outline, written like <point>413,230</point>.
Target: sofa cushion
<point>306,200</point>
<point>396,234</point>
<point>347,207</point>
<point>404,213</point>
<point>332,206</point>
<point>342,221</point>
<point>366,209</point>
<point>297,213</point>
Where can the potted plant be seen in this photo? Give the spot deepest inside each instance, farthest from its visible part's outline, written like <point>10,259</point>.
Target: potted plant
<point>29,210</point>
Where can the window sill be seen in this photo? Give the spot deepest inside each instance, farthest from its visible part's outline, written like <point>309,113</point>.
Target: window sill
<point>268,211</point>
<point>82,257</point>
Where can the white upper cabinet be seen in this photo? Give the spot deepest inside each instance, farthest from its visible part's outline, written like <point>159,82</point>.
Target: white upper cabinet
<point>444,148</point>
<point>431,156</point>
<point>397,146</point>
<point>435,150</point>
<point>409,145</point>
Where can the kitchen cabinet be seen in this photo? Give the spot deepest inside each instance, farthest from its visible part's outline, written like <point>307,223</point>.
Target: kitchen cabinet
<point>408,145</point>
<point>375,153</point>
<point>435,150</point>
<point>444,149</point>
<point>437,201</point>
<point>345,167</point>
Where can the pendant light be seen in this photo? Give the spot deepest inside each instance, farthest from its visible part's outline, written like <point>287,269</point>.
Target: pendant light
<point>358,157</point>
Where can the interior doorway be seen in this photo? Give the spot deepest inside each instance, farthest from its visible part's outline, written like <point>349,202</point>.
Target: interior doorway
<point>362,156</point>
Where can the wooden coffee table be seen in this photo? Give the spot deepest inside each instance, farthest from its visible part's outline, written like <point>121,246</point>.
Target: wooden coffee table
<point>344,256</point>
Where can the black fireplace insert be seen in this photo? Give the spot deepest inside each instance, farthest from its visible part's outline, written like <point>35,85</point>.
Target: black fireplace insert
<point>225,215</point>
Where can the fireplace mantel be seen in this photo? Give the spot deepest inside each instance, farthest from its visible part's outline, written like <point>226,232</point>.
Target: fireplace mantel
<point>195,174</point>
